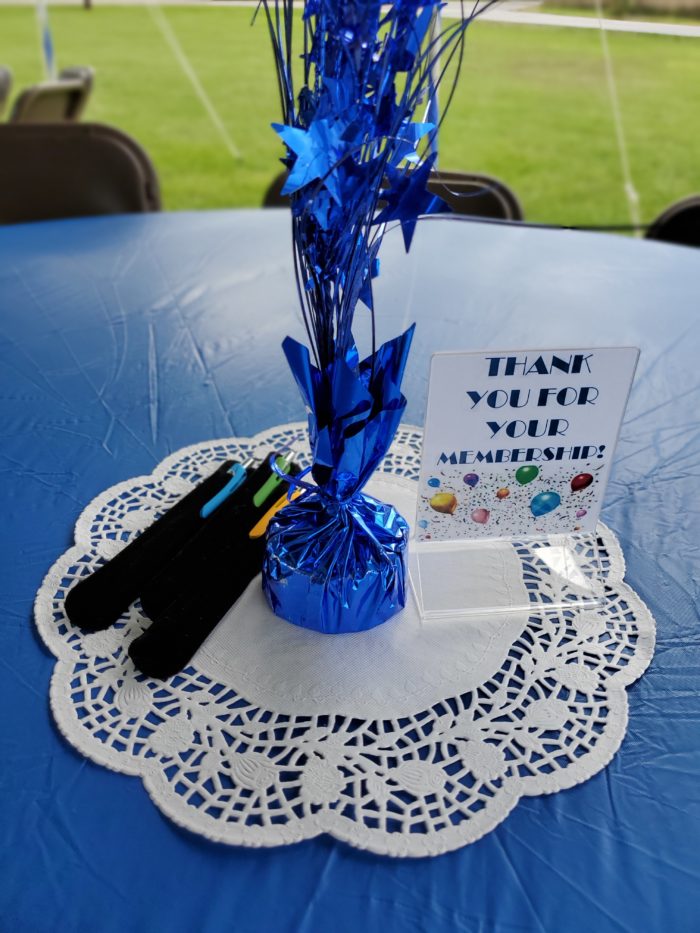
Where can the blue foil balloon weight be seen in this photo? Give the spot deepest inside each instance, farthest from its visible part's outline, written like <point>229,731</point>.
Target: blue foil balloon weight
<point>336,569</point>
<point>335,558</point>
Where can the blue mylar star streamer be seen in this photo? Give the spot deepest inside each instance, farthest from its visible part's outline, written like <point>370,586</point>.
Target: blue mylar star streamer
<point>317,150</point>
<point>359,158</point>
<point>408,198</point>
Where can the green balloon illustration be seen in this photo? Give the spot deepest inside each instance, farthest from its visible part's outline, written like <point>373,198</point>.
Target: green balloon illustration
<point>526,474</point>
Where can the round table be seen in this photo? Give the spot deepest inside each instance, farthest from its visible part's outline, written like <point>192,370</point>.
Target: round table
<point>123,339</point>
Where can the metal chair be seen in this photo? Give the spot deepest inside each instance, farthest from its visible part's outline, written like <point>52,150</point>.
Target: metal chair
<point>86,75</point>
<point>55,101</point>
<point>679,223</point>
<point>273,197</point>
<point>476,195</point>
<point>57,170</point>
<point>5,85</point>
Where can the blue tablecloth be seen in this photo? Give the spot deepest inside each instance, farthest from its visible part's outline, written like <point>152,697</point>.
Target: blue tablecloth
<point>123,339</point>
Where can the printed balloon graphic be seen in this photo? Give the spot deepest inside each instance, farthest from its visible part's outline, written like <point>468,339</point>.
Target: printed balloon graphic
<point>581,481</point>
<point>471,479</point>
<point>444,502</point>
<point>480,516</point>
<point>422,523</point>
<point>503,493</point>
<point>526,474</point>
<point>545,502</point>
<point>581,512</point>
<point>434,482</point>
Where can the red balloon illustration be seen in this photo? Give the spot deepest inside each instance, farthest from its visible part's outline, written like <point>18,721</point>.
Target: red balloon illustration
<point>581,481</point>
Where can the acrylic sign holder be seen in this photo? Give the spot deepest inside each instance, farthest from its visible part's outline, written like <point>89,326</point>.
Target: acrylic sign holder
<point>458,578</point>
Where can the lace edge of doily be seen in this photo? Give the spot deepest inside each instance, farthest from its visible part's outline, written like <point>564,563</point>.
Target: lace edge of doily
<point>327,821</point>
<point>399,845</point>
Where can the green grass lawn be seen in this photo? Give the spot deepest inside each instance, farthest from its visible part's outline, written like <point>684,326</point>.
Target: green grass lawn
<point>532,106</point>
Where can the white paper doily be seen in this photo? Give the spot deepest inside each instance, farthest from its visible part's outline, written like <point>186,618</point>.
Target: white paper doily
<point>412,739</point>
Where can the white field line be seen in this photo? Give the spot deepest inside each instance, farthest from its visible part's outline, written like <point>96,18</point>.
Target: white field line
<point>173,42</point>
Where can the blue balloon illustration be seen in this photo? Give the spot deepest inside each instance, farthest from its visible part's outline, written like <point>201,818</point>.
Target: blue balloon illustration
<point>434,482</point>
<point>545,502</point>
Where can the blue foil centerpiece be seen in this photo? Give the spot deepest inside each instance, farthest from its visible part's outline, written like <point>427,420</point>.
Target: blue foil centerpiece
<point>361,142</point>
<point>335,557</point>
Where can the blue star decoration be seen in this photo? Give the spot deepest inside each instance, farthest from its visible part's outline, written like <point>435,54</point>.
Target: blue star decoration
<point>407,199</point>
<point>317,152</point>
<point>407,141</point>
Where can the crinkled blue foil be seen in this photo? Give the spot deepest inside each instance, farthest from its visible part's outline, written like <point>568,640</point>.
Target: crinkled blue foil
<point>335,557</point>
<point>336,568</point>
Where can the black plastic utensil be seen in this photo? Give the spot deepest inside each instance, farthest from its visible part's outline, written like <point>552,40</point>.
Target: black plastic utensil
<point>188,599</point>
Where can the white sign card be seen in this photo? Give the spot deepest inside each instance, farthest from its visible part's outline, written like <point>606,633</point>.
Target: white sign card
<point>519,443</point>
